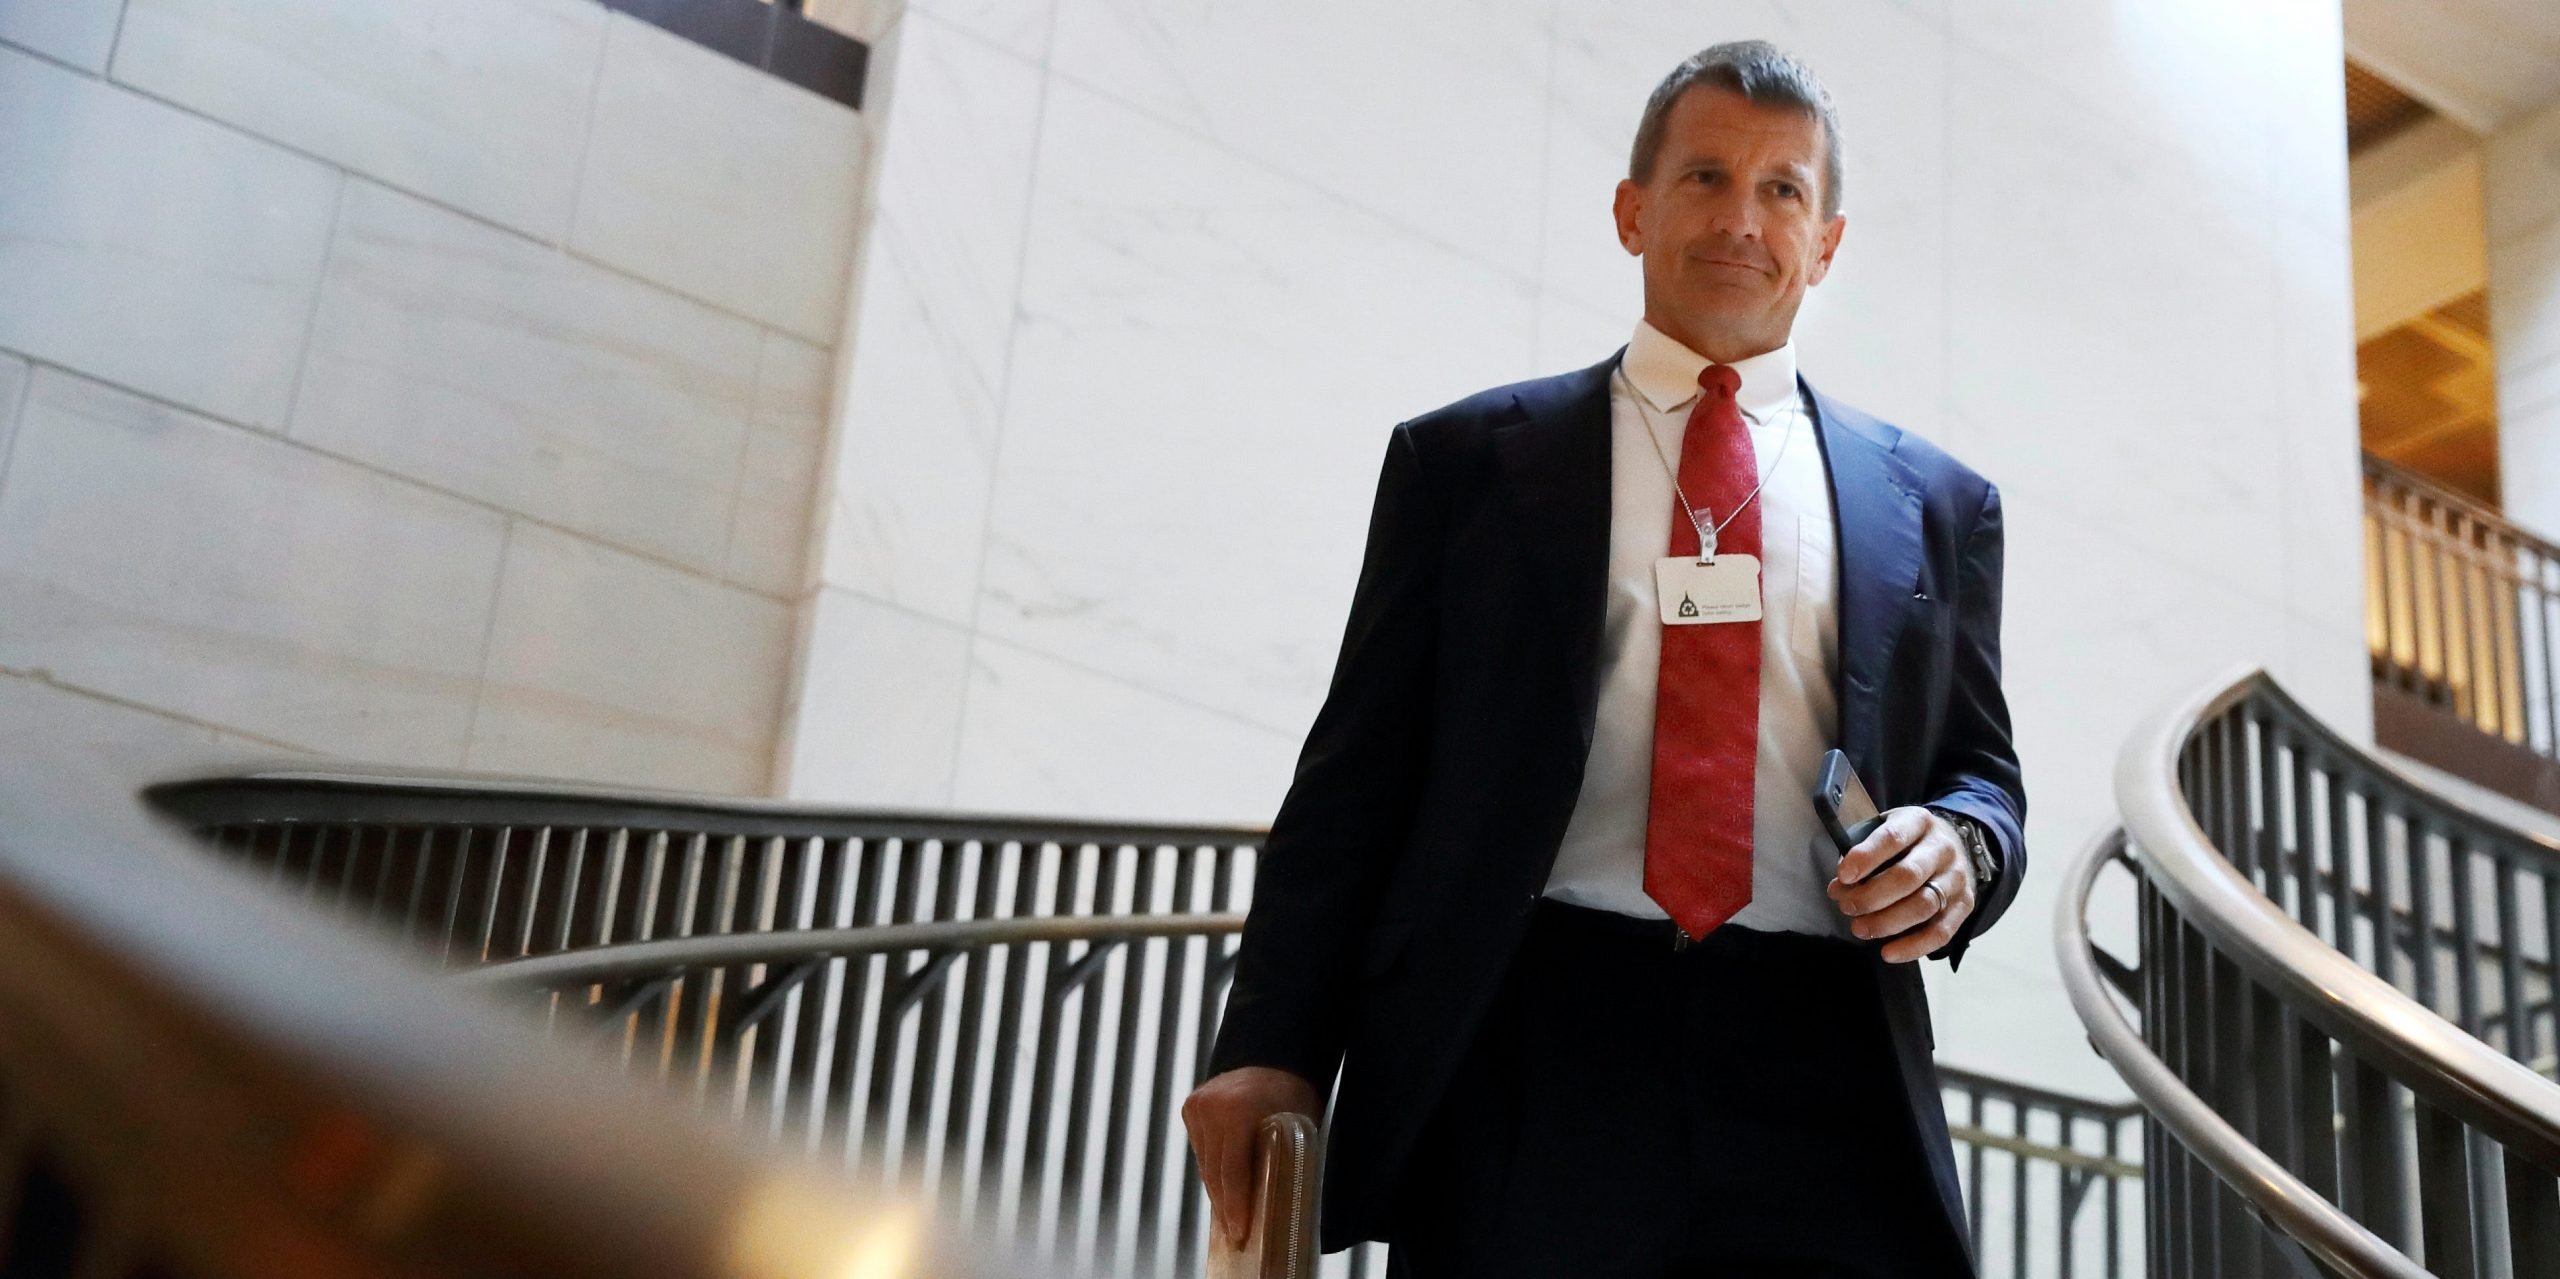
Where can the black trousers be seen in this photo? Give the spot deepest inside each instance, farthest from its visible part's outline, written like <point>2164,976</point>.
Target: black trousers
<point>1627,1110</point>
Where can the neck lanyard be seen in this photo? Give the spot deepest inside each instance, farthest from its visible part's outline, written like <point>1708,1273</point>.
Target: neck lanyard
<point>1706,531</point>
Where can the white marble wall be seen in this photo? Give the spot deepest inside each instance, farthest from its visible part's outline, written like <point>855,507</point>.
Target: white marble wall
<point>2520,179</point>
<point>441,385</point>
<point>1150,281</point>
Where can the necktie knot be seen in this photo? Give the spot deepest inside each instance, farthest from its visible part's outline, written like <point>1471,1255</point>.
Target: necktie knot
<point>1719,381</point>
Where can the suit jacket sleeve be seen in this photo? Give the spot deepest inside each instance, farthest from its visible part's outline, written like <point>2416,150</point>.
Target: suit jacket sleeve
<point>1350,803</point>
<point>1976,769</point>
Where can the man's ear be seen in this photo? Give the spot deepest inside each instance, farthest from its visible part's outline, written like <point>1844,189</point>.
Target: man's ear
<point>1830,245</point>
<point>1628,207</point>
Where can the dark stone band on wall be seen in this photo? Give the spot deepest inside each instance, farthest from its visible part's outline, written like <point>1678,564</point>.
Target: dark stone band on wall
<point>771,37</point>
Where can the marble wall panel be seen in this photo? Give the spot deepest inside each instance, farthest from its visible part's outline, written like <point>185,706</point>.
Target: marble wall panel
<point>604,665</point>
<point>2294,78</point>
<point>150,247</point>
<point>879,723</point>
<point>2315,383</point>
<point>935,325</point>
<point>154,556</point>
<point>135,747</point>
<point>2116,329</point>
<point>866,20</point>
<point>2525,302</point>
<point>13,384</point>
<point>2204,78</point>
<point>2524,314</point>
<point>483,362</point>
<point>778,477</point>
<point>2326,666</point>
<point>721,182</point>
<point>1433,116</point>
<point>1208,363</point>
<point>1572,335</point>
<point>79,32</point>
<point>1045,736</point>
<point>2522,182</point>
<point>1019,27</point>
<point>480,104</point>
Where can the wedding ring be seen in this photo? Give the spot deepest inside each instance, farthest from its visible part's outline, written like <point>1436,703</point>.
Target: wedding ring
<point>1940,895</point>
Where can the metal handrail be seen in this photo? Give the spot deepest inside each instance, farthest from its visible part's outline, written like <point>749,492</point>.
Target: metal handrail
<point>2384,469</point>
<point>348,794</point>
<point>2300,1212</point>
<point>2470,1079</point>
<point>623,961</point>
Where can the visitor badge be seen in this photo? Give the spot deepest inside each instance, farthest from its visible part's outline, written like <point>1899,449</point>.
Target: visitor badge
<point>1694,594</point>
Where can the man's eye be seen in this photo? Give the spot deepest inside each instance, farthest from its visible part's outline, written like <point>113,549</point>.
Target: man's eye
<point>1787,190</point>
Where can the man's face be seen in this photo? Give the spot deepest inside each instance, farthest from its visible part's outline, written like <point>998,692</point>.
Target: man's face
<point>1730,226</point>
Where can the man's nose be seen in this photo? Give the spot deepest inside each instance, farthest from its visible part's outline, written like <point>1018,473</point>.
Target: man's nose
<point>1732,214</point>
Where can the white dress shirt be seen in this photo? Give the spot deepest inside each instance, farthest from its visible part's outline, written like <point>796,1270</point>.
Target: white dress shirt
<point>1601,862</point>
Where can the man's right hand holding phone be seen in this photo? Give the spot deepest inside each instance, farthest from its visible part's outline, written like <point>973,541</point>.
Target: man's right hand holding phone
<point>1921,898</point>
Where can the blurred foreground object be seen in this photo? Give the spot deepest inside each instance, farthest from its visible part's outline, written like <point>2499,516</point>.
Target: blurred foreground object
<point>200,1079</point>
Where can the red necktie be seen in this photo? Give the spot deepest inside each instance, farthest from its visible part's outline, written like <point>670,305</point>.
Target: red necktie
<point>1706,710</point>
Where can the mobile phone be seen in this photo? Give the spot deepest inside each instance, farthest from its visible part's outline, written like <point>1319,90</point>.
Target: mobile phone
<point>1847,813</point>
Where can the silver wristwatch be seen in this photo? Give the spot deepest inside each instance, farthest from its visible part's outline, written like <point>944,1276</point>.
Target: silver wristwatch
<point>1977,846</point>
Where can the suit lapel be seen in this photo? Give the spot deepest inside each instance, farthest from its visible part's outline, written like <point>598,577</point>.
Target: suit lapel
<point>1553,450</point>
<point>1875,498</point>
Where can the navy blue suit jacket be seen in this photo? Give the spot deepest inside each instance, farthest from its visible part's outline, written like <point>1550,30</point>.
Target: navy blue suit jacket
<point>1433,789</point>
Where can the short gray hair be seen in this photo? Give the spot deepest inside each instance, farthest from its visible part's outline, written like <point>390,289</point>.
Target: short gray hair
<point>1763,74</point>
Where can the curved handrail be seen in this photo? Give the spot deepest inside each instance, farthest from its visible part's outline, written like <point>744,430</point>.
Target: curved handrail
<point>388,796</point>
<point>623,960</point>
<point>2296,1209</point>
<point>2468,1078</point>
<point>2386,471</point>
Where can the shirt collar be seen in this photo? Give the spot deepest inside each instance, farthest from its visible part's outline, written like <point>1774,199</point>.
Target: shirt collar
<point>1666,373</point>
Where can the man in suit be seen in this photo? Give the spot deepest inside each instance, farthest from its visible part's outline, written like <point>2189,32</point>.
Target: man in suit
<point>1548,887</point>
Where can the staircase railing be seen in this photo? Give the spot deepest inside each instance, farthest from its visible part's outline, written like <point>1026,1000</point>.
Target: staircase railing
<point>2331,960</point>
<point>200,1082</point>
<point>1004,1012</point>
<point>2462,622</point>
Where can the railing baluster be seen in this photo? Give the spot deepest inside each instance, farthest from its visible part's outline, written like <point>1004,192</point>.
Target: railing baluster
<point>2533,1219</point>
<point>2315,1108</point>
<point>2517,1009</point>
<point>970,1006</point>
<point>2466,934</point>
<point>2382,1157</point>
<point>2420,853</point>
<point>1160,1127</point>
<point>2194,1004</point>
<point>2445,1194</point>
<point>2237,1243</point>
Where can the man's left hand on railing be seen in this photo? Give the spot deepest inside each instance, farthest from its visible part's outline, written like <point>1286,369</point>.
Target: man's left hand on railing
<point>1224,1115</point>
<point>1924,892</point>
